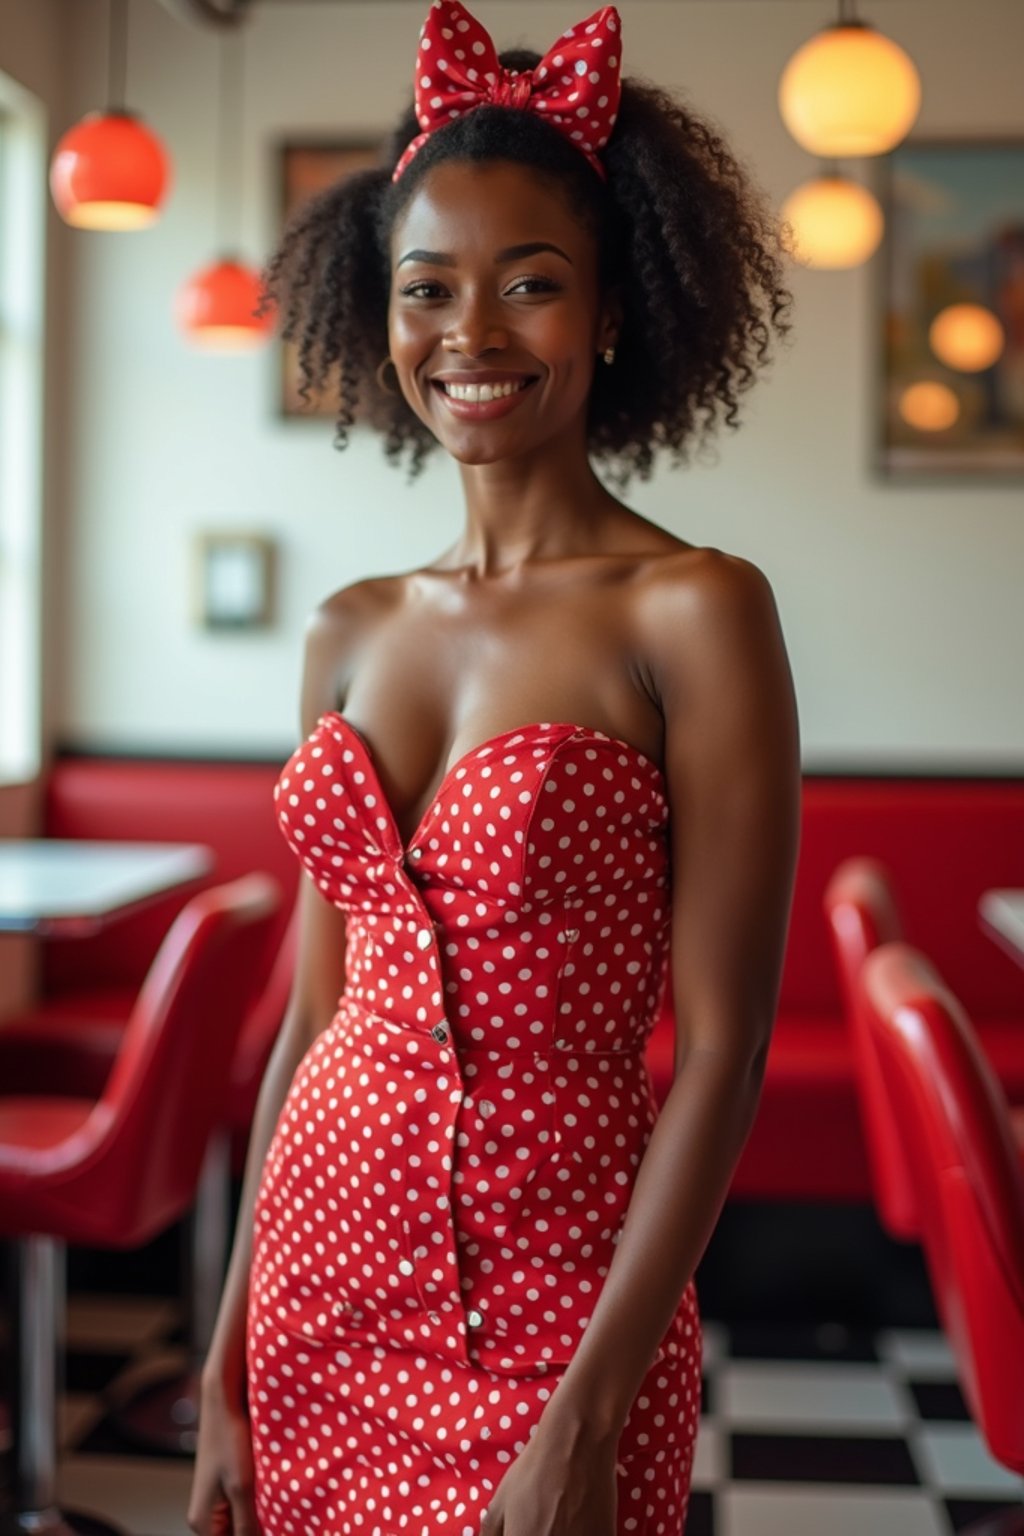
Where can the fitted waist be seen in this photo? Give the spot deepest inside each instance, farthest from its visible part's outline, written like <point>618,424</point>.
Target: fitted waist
<point>467,1162</point>
<point>441,1033</point>
<point>560,978</point>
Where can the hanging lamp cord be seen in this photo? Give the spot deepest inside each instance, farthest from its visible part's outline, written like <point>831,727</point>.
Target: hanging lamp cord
<point>229,133</point>
<point>117,54</point>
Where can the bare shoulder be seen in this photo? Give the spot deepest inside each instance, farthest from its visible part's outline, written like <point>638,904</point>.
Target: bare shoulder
<point>704,617</point>
<point>336,631</point>
<point>716,656</point>
<point>360,602</point>
<point>701,574</point>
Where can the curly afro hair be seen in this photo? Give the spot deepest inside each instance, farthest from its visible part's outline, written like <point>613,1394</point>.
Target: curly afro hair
<point>680,226</point>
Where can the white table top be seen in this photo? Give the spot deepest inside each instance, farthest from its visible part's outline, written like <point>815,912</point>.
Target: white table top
<point>1002,916</point>
<point>71,887</point>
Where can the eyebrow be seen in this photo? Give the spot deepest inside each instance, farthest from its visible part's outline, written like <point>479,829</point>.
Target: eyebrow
<point>511,253</point>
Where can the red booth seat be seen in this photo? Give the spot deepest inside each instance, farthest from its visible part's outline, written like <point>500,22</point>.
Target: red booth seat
<point>944,841</point>
<point>225,805</point>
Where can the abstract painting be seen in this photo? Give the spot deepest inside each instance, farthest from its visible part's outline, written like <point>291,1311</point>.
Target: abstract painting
<point>952,309</point>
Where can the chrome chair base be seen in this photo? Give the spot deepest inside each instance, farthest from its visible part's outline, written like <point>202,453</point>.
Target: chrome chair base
<point>163,1415</point>
<point>39,1313</point>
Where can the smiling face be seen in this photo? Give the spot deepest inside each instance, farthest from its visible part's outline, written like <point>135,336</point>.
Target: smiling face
<point>495,317</point>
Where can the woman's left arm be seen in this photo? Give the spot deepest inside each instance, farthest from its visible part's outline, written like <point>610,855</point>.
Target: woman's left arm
<point>732,761</point>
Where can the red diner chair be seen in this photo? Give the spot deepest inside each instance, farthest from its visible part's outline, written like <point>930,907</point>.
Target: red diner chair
<point>862,913</point>
<point>116,1170</point>
<point>64,1047</point>
<point>966,1169</point>
<point>163,1414</point>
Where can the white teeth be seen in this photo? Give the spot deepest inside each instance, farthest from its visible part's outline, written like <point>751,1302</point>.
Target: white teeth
<point>483,391</point>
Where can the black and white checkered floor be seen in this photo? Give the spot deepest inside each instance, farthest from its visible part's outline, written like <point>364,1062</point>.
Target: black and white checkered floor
<point>803,1431</point>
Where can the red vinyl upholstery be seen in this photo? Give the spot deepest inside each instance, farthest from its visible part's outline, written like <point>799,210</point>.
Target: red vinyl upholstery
<point>116,1171</point>
<point>965,1163</point>
<point>65,1043</point>
<point>228,806</point>
<point>943,842</point>
<point>862,912</point>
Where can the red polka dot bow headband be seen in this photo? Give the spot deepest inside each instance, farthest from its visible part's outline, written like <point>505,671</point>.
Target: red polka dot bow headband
<point>575,87</point>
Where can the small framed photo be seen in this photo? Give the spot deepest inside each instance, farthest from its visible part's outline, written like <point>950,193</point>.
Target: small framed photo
<point>234,580</point>
<point>307,167</point>
<point>950,319</point>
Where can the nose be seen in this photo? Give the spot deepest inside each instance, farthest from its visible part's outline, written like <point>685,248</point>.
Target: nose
<point>475,329</point>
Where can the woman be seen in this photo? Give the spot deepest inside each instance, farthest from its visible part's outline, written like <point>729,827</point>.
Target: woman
<point>461,1296</point>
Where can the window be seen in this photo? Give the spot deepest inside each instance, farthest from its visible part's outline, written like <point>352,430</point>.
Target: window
<point>23,192</point>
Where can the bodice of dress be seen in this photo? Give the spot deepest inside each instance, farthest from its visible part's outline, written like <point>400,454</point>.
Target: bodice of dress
<point>528,910</point>
<point>504,969</point>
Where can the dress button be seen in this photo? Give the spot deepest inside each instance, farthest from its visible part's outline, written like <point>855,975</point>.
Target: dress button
<point>485,1107</point>
<point>474,1318</point>
<point>407,1266</point>
<point>571,935</point>
<point>440,1032</point>
<point>434,1317</point>
<point>415,853</point>
<point>425,938</point>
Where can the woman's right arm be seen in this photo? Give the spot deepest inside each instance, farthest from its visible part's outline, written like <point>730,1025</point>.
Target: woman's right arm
<point>222,1488</point>
<point>222,1494</point>
<point>319,981</point>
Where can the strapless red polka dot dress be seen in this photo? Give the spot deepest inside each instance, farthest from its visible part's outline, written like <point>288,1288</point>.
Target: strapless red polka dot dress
<point>442,1196</point>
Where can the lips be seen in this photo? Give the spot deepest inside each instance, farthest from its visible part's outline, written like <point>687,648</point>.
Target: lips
<point>484,409</point>
<point>483,390</point>
<point>481,376</point>
<point>481,383</point>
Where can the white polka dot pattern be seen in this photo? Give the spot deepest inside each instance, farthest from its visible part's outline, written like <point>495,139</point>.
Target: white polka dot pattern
<point>450,1171</point>
<point>575,87</point>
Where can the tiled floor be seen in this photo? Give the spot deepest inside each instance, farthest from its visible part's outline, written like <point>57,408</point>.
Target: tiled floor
<point>804,1432</point>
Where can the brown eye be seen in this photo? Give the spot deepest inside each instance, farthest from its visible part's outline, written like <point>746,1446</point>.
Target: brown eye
<point>544,284</point>
<point>425,288</point>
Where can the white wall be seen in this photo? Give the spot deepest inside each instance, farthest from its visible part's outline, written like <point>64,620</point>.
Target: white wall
<point>901,605</point>
<point>33,60</point>
<point>31,55</point>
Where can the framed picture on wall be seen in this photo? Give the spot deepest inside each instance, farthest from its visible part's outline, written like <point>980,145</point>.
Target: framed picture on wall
<point>233,579</point>
<point>951,310</point>
<point>306,167</point>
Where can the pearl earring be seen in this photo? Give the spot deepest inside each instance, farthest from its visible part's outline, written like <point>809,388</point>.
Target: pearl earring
<point>609,355</point>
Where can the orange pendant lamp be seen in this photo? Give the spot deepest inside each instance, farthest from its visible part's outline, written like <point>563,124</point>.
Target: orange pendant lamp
<point>849,90</point>
<point>110,171</point>
<point>216,307</point>
<point>835,222</point>
<point>968,337</point>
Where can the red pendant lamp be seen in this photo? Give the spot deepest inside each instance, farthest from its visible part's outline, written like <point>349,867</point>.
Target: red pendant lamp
<point>216,306</point>
<point>110,171</point>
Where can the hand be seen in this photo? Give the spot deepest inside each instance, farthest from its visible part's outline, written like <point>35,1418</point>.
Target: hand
<point>561,1484</point>
<point>222,1501</point>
